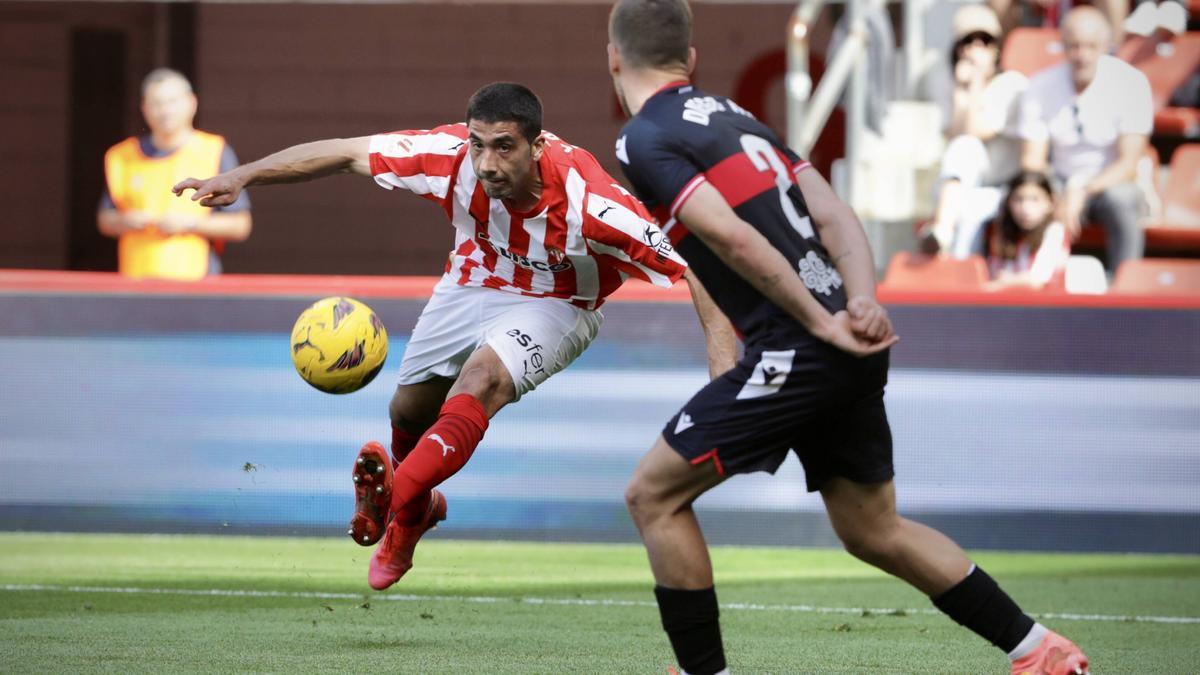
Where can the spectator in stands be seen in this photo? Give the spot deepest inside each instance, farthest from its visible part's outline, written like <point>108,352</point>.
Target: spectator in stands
<point>157,235</point>
<point>1028,248</point>
<point>1089,119</point>
<point>1052,13</point>
<point>984,151</point>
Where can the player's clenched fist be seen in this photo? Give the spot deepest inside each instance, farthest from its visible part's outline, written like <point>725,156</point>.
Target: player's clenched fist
<point>868,319</point>
<point>220,190</point>
<point>839,331</point>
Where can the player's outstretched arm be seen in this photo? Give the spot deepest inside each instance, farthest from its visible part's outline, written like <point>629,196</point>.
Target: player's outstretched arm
<point>844,238</point>
<point>719,338</point>
<point>707,215</point>
<point>290,165</point>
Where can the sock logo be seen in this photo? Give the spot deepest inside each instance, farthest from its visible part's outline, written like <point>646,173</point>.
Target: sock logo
<point>446,448</point>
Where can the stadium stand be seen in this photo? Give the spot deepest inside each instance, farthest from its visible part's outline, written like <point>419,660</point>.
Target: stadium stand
<point>916,272</point>
<point>1178,228</point>
<point>1158,276</point>
<point>1174,225</point>
<point>1167,64</point>
<point>1028,50</point>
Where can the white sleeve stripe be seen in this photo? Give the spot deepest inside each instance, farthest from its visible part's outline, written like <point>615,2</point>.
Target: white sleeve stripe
<point>617,217</point>
<point>419,184</point>
<point>411,145</point>
<point>576,190</point>
<point>686,192</point>
<point>654,277</point>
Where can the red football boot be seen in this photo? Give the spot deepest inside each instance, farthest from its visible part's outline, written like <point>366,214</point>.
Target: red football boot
<point>394,556</point>
<point>1055,655</point>
<point>372,494</point>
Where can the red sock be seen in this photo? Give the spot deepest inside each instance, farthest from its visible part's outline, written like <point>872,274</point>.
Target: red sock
<point>440,453</point>
<point>402,444</point>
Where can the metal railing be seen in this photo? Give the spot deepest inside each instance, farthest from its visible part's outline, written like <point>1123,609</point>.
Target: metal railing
<point>809,110</point>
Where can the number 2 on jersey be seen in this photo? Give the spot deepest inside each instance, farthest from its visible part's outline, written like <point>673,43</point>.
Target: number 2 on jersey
<point>762,154</point>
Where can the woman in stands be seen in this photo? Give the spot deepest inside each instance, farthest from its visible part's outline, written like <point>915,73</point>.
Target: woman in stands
<point>983,152</point>
<point>1028,248</point>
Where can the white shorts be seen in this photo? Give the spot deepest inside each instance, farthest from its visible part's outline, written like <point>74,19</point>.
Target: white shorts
<point>534,337</point>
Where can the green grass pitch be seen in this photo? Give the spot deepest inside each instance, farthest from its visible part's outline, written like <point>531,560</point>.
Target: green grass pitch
<point>124,604</point>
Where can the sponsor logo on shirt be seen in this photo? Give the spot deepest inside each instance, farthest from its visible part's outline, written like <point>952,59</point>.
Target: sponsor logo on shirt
<point>657,241</point>
<point>819,277</point>
<point>560,265</point>
<point>699,108</point>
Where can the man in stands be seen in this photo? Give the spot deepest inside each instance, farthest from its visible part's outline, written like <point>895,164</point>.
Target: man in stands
<point>543,236</point>
<point>1089,119</point>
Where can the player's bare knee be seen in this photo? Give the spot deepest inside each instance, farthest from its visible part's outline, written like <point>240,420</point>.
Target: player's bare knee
<point>489,385</point>
<point>874,543</point>
<point>407,424</point>
<point>642,500</point>
<point>861,547</point>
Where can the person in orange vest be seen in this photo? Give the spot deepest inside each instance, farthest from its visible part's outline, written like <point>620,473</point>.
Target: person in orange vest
<point>159,236</point>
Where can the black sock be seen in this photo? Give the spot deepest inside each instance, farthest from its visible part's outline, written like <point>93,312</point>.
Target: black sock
<point>978,603</point>
<point>691,621</point>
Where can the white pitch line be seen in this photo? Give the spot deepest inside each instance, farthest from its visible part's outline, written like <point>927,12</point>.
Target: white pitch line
<point>576,602</point>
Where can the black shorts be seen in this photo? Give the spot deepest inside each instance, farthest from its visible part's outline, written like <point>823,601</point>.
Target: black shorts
<point>824,404</point>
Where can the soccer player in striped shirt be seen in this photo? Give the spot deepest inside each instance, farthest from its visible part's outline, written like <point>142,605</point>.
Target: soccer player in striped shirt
<point>542,236</point>
<point>787,264</point>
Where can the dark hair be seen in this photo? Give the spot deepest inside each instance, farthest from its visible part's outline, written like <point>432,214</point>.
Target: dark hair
<point>957,47</point>
<point>507,102</point>
<point>652,33</point>
<point>1010,233</point>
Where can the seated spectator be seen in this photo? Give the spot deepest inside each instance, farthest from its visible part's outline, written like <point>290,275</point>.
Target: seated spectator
<point>984,151</point>
<point>1027,248</point>
<point>1052,13</point>
<point>157,235</point>
<point>1088,120</point>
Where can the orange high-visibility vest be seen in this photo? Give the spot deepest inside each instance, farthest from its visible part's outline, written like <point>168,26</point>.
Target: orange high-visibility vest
<point>140,183</point>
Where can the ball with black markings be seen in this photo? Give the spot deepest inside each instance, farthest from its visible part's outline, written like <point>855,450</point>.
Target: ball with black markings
<point>339,345</point>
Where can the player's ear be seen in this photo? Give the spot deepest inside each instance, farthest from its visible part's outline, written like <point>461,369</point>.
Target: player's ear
<point>691,64</point>
<point>614,60</point>
<point>537,147</point>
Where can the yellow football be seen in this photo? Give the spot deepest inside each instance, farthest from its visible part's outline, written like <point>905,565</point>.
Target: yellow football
<point>339,345</point>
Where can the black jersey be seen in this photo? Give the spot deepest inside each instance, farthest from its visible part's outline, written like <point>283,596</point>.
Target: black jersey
<point>683,137</point>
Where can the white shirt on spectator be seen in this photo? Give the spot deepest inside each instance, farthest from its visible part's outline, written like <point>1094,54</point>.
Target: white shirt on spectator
<point>1001,107</point>
<point>1083,129</point>
<point>1048,260</point>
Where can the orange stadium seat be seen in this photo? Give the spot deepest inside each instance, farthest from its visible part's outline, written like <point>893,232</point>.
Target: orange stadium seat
<point>1028,50</point>
<point>916,272</point>
<point>1179,228</point>
<point>1158,276</point>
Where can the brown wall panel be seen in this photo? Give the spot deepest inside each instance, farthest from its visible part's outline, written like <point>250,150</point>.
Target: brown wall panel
<point>271,75</point>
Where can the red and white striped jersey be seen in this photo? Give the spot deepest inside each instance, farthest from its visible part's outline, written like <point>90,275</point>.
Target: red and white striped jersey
<point>579,243</point>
